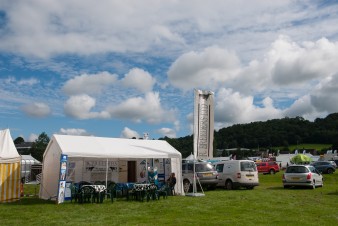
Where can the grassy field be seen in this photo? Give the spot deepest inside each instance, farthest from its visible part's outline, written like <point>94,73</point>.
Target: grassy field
<point>300,147</point>
<point>267,204</point>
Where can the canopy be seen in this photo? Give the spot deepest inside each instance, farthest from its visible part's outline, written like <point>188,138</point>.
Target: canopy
<point>90,147</point>
<point>301,159</point>
<point>8,152</point>
<point>9,168</point>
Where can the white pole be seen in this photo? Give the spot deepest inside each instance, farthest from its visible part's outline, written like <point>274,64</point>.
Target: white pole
<point>107,173</point>
<point>146,169</point>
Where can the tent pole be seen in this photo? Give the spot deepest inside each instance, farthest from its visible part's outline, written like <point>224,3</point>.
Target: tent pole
<point>107,173</point>
<point>147,169</point>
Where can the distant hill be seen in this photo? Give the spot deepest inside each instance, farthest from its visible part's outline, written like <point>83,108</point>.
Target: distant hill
<point>268,134</point>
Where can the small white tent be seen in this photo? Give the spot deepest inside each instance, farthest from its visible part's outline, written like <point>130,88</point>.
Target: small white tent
<point>9,168</point>
<point>82,149</point>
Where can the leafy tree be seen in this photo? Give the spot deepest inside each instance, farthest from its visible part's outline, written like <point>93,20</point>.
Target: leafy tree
<point>264,135</point>
<point>19,140</point>
<point>39,146</point>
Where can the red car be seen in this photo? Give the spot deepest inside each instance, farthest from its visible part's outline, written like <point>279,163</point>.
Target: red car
<point>267,167</point>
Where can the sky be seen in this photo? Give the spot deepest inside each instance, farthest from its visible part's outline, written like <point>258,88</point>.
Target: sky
<point>114,68</point>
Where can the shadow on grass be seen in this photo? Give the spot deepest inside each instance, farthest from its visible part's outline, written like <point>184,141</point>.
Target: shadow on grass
<point>30,201</point>
<point>290,188</point>
<point>275,188</point>
<point>333,193</point>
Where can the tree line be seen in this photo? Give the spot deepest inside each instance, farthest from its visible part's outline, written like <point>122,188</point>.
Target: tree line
<point>269,134</point>
<point>38,146</point>
<point>255,135</point>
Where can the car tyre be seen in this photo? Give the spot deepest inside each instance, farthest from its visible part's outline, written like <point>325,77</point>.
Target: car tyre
<point>272,171</point>
<point>314,185</point>
<point>329,171</point>
<point>228,185</point>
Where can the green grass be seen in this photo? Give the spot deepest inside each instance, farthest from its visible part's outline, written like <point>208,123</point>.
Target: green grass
<point>267,204</point>
<point>317,147</point>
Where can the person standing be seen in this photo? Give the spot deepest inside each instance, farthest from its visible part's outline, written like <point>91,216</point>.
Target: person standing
<point>171,183</point>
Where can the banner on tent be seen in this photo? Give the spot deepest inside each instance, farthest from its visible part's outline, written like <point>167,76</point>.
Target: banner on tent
<point>62,179</point>
<point>203,124</point>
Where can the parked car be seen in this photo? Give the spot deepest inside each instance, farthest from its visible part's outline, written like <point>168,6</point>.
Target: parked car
<point>233,174</point>
<point>302,175</point>
<point>267,167</point>
<point>324,166</point>
<point>206,174</point>
<point>336,161</point>
<point>333,163</point>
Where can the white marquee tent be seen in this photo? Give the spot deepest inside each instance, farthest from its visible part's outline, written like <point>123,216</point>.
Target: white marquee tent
<point>9,168</point>
<point>84,148</point>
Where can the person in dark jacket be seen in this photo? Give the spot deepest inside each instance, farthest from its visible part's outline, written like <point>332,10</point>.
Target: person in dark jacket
<point>171,183</point>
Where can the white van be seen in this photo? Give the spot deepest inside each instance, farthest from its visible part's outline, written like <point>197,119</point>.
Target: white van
<point>233,174</point>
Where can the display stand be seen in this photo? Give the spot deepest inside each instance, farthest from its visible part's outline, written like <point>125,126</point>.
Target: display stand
<point>194,186</point>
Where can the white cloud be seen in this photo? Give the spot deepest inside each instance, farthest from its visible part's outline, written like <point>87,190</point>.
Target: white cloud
<point>74,131</point>
<point>232,108</point>
<point>167,132</point>
<point>301,107</point>
<point>21,82</point>
<point>324,97</point>
<point>139,79</point>
<point>81,106</point>
<point>32,137</point>
<point>128,133</point>
<point>221,46</point>
<point>207,69</point>
<point>303,72</point>
<point>84,27</point>
<point>28,82</point>
<point>36,109</point>
<point>89,83</point>
<point>297,63</point>
<point>140,109</point>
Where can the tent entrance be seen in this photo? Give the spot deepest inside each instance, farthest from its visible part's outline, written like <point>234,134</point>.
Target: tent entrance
<point>132,171</point>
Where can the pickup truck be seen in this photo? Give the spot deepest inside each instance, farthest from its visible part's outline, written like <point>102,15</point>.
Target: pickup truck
<point>267,167</point>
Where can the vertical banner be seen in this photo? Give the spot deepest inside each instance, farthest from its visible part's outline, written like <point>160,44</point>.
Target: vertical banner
<point>62,179</point>
<point>203,124</point>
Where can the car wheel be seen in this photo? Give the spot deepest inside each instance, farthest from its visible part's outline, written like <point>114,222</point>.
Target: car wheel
<point>272,171</point>
<point>329,171</point>
<point>228,185</point>
<point>314,185</point>
<point>186,186</point>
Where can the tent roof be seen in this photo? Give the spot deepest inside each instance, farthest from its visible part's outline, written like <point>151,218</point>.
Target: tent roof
<point>103,147</point>
<point>8,152</point>
<point>29,158</point>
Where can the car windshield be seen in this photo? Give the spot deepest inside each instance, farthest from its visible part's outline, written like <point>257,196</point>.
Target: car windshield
<point>297,169</point>
<point>204,167</point>
<point>248,166</point>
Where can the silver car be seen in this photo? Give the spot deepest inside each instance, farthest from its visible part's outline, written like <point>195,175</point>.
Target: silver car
<point>302,175</point>
<point>206,175</point>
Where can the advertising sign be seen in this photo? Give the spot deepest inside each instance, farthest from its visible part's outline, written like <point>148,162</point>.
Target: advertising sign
<point>203,124</point>
<point>62,179</point>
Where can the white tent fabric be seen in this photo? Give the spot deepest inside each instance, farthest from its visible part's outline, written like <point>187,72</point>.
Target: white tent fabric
<point>190,157</point>
<point>9,168</point>
<point>8,152</point>
<point>89,147</point>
